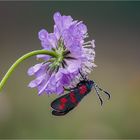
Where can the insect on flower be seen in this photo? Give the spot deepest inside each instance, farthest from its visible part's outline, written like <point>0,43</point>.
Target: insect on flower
<point>74,57</point>
<point>67,57</point>
<point>67,102</point>
<point>73,53</point>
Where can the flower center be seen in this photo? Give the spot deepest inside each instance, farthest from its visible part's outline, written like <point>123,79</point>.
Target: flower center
<point>60,51</point>
<point>62,55</point>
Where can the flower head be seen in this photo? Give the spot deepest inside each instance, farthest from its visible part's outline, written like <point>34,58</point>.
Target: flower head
<point>73,54</point>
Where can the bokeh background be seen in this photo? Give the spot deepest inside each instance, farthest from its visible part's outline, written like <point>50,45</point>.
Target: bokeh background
<point>116,28</point>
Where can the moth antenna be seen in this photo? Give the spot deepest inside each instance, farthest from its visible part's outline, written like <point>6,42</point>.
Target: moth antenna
<point>105,92</point>
<point>97,92</point>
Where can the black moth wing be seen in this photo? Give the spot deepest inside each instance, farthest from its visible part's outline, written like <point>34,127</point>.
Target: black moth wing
<point>56,103</point>
<point>57,113</point>
<point>67,105</point>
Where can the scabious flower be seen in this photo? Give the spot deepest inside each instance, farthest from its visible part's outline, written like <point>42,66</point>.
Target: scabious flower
<point>73,55</point>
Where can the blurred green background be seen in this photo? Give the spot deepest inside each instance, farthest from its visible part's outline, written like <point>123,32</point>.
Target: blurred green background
<point>116,28</point>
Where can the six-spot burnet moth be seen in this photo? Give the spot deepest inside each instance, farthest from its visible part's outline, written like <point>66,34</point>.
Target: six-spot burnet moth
<point>69,101</point>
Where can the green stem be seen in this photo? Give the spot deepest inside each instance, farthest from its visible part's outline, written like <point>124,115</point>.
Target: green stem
<point>11,69</point>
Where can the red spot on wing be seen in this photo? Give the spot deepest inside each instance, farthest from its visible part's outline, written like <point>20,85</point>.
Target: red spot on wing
<point>72,97</point>
<point>63,100</point>
<point>61,106</point>
<point>62,103</point>
<point>82,89</point>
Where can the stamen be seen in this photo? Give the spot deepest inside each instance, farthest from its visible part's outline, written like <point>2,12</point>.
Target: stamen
<point>88,42</point>
<point>87,46</point>
<point>86,35</point>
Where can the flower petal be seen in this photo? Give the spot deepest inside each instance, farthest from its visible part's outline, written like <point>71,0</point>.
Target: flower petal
<point>36,82</point>
<point>60,90</point>
<point>42,34</point>
<point>34,69</point>
<point>78,55</point>
<point>57,32</point>
<point>42,56</point>
<point>58,20</point>
<point>46,84</point>
<point>52,40</point>
<point>73,65</point>
<point>66,21</point>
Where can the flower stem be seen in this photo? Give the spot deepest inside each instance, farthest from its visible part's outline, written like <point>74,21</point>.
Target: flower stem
<point>18,61</point>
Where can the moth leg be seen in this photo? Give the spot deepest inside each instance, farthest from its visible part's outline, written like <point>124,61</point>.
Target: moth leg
<point>68,89</point>
<point>83,76</point>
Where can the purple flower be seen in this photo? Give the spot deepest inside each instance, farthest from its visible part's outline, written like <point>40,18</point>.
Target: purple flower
<point>74,54</point>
